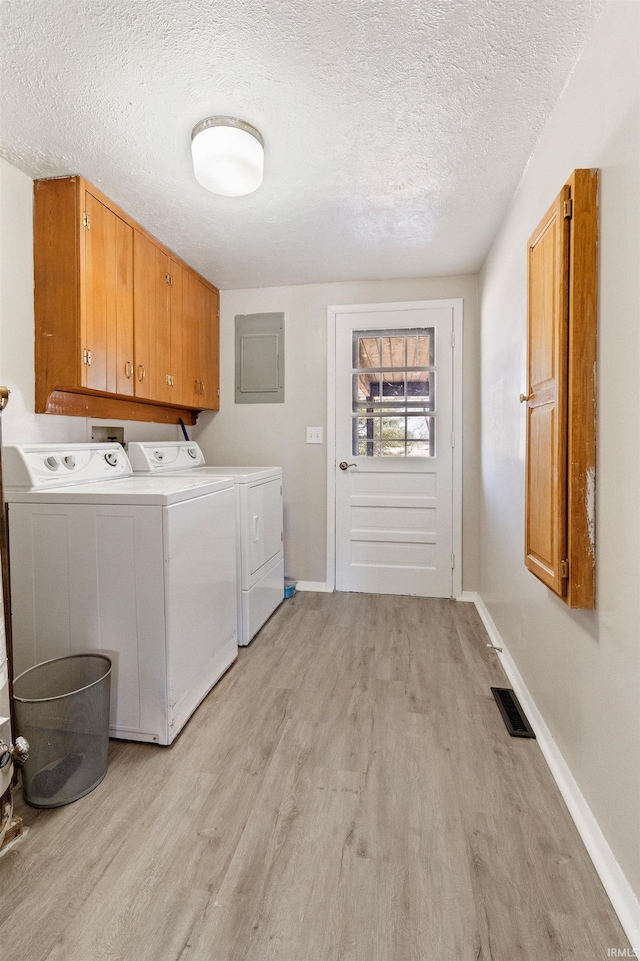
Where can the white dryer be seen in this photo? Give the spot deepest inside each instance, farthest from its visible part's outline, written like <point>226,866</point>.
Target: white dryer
<point>259,527</point>
<point>142,569</point>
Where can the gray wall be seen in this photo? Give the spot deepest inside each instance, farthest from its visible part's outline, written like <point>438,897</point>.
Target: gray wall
<point>581,667</point>
<point>276,433</point>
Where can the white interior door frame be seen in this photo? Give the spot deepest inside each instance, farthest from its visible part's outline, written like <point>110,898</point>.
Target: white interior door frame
<point>333,313</point>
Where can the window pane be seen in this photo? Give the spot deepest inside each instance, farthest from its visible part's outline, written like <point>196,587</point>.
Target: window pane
<point>366,390</point>
<point>418,449</point>
<point>393,448</point>
<point>393,352</point>
<point>366,352</point>
<point>420,344</point>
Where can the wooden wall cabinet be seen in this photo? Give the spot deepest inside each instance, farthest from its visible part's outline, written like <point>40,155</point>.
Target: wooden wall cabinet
<point>119,332</point>
<point>561,393</point>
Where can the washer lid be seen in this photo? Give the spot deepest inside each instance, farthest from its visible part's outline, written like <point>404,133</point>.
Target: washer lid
<point>241,475</point>
<point>154,491</point>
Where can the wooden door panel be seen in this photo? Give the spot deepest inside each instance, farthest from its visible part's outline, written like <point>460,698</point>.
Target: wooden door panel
<point>124,308</point>
<point>100,293</point>
<point>162,319</point>
<point>546,501</point>
<point>177,299</point>
<point>193,361</point>
<point>209,349</point>
<point>152,344</point>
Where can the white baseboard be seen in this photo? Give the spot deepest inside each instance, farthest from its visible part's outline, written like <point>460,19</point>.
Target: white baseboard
<point>469,597</point>
<point>319,587</point>
<point>623,899</point>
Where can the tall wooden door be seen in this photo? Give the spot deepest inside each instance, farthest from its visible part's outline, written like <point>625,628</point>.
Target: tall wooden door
<point>209,349</point>
<point>178,303</point>
<point>394,448</point>
<point>152,324</point>
<point>546,499</point>
<point>193,310</point>
<point>108,292</point>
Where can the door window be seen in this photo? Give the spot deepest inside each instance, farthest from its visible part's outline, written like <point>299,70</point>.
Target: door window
<point>394,392</point>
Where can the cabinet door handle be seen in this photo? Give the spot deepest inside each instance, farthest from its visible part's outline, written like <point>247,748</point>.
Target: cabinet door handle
<point>141,372</point>
<point>202,387</point>
<point>524,398</point>
<point>197,389</point>
<point>128,369</point>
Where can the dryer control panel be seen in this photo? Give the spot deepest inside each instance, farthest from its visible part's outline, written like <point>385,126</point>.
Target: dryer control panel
<point>165,456</point>
<point>43,466</point>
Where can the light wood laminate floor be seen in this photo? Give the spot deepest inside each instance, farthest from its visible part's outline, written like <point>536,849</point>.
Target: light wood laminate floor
<point>347,791</point>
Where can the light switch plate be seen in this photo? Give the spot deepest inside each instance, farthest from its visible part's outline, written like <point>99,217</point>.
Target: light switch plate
<point>314,435</point>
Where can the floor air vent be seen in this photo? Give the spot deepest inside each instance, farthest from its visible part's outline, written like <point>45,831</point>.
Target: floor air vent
<point>512,714</point>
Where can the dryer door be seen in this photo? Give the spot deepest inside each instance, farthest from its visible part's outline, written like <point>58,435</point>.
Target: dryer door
<point>265,523</point>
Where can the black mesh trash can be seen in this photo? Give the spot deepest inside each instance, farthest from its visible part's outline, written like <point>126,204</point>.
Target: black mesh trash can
<point>62,708</point>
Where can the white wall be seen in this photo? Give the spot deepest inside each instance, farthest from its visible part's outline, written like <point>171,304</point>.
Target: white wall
<point>581,668</point>
<point>275,433</point>
<point>19,423</point>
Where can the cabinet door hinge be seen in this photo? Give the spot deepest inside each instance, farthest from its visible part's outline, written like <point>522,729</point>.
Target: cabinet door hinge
<point>217,313</point>
<point>453,338</point>
<point>567,209</point>
<point>564,570</point>
<point>168,279</point>
<point>86,223</point>
<point>453,440</point>
<point>86,357</point>
<point>453,561</point>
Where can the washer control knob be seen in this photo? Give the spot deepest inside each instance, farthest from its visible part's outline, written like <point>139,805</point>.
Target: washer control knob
<point>69,461</point>
<point>158,454</point>
<point>111,458</point>
<point>5,754</point>
<point>52,462</point>
<point>191,451</point>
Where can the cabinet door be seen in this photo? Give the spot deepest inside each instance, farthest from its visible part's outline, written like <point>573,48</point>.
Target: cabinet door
<point>152,332</point>
<point>194,306</point>
<point>546,496</point>
<point>209,350</point>
<point>108,315</point>
<point>178,298</point>
<point>124,370</point>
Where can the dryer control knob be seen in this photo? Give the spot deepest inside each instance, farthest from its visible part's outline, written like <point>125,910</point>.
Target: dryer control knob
<point>69,461</point>
<point>191,451</point>
<point>111,458</point>
<point>52,462</point>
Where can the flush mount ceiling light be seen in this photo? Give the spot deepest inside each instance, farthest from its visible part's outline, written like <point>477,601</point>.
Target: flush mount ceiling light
<point>228,156</point>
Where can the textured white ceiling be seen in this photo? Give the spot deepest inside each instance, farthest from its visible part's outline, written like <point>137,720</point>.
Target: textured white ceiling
<point>396,131</point>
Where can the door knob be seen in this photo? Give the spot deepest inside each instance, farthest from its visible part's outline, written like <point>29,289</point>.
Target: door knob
<point>344,466</point>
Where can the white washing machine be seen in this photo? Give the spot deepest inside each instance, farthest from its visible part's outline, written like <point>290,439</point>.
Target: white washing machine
<point>259,528</point>
<point>142,569</point>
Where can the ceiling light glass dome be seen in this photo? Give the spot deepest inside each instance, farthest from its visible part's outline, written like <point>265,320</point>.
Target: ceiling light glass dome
<point>228,156</point>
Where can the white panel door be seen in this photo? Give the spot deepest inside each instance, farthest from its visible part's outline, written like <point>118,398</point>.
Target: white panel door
<point>394,449</point>
<point>265,517</point>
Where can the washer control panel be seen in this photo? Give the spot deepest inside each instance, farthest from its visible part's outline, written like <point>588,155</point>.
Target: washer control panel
<point>43,466</point>
<point>152,458</point>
